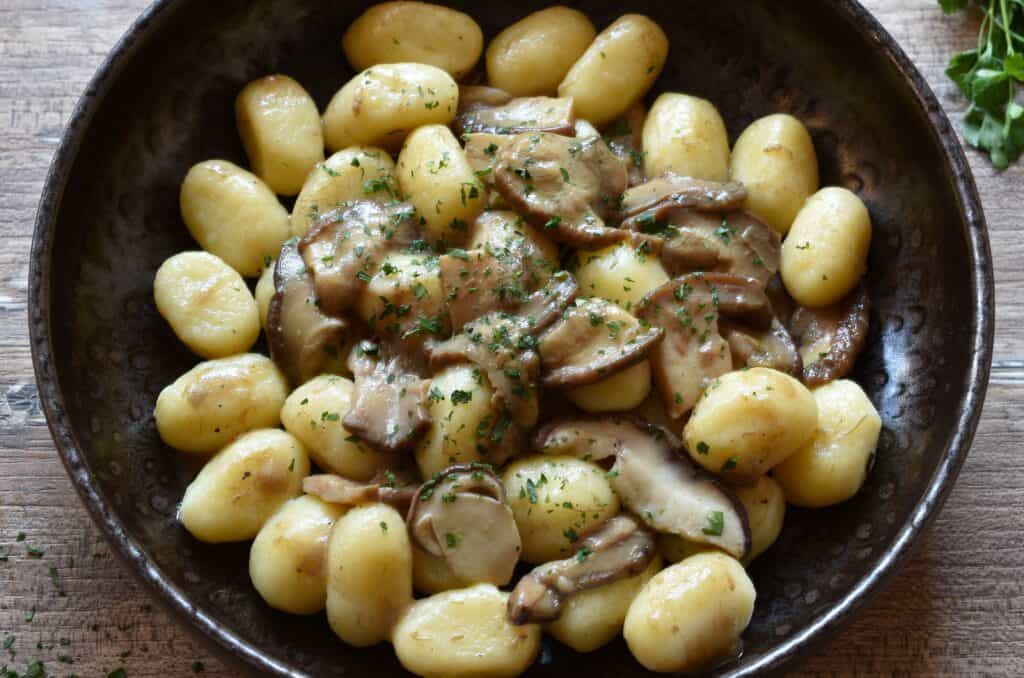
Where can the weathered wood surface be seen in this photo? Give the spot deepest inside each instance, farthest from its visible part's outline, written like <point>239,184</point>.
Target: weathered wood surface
<point>956,609</point>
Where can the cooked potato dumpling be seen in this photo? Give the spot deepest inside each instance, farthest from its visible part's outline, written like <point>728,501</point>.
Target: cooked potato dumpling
<point>357,173</point>
<point>748,421</point>
<point>832,466</point>
<point>690,614</point>
<point>411,281</point>
<point>592,618</point>
<point>417,32</point>
<point>369,574</point>
<point>774,158</point>
<point>464,633</point>
<point>232,213</point>
<point>460,401</point>
<point>766,509</point>
<point>533,55</point>
<point>431,574</point>
<point>619,273</point>
<point>313,414</point>
<point>243,485</point>
<point>381,105</point>
<point>617,69</point>
<point>216,401</point>
<point>555,499</point>
<point>207,304</point>
<point>288,559</point>
<point>436,178</point>
<point>265,291</point>
<point>687,136</point>
<point>280,129</point>
<point>826,251</point>
<point>622,391</point>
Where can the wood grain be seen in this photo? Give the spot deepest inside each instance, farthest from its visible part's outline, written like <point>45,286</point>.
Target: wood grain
<point>956,609</point>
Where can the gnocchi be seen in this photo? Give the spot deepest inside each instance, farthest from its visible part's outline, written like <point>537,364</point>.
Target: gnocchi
<point>288,558</point>
<point>381,105</point>
<point>687,136</point>
<point>280,129</point>
<point>231,213</point>
<point>207,304</point>
<point>243,485</point>
<point>832,466</point>
<point>460,402</point>
<point>621,274</point>
<point>218,400</point>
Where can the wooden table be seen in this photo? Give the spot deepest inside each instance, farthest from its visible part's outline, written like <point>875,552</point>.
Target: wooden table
<point>956,609</point>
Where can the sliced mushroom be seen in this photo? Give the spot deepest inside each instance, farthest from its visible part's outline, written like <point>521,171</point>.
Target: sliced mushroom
<point>619,548</point>
<point>547,304</point>
<point>344,247</point>
<point>625,138</point>
<point>772,348</point>
<point>674,190</point>
<point>693,351</point>
<point>592,340</point>
<point>482,152</point>
<point>463,517</point>
<point>525,114</point>
<point>506,235</point>
<point>300,335</point>
<point>832,338</point>
<point>481,96</point>
<point>656,480</point>
<point>335,489</point>
<point>476,283</point>
<point>389,405</point>
<point>566,186</point>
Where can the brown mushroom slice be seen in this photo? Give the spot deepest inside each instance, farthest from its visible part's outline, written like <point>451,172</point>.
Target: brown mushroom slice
<point>568,187</point>
<point>475,283</point>
<point>625,138</point>
<point>301,337</point>
<point>592,340</point>
<point>693,350</point>
<point>619,548</point>
<point>832,338</point>
<point>656,480</point>
<point>463,517</point>
<point>335,489</point>
<point>344,248</point>
<point>481,152</point>
<point>676,190</point>
<point>772,348</point>
<point>481,96</point>
<point>523,114</point>
<point>735,243</point>
<point>547,304</point>
<point>506,235</point>
<point>389,405</point>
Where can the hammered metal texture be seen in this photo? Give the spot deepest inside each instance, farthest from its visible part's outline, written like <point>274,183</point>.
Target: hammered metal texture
<point>172,106</point>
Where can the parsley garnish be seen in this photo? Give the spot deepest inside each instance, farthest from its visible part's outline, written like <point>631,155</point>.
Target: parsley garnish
<point>716,522</point>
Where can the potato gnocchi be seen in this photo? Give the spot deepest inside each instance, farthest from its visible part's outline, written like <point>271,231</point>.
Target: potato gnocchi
<point>530,326</point>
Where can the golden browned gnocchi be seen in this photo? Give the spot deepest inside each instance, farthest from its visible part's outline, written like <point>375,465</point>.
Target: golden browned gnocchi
<point>369,574</point>
<point>381,105</point>
<point>532,56</point>
<point>312,413</point>
<point>216,401</point>
<point>464,633</point>
<point>207,304</point>
<point>437,180</point>
<point>749,421</point>
<point>832,466</point>
<point>280,129</point>
<point>415,32</point>
<point>775,159</point>
<point>355,173</point>
<point>231,213</point>
<point>825,253</point>
<point>554,500</point>
<point>288,558</point>
<point>687,136</point>
<point>243,485</point>
<point>625,58</point>
<point>460,406</point>
<point>691,614</point>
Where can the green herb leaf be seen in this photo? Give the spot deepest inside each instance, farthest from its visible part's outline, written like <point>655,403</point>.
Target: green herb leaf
<point>716,523</point>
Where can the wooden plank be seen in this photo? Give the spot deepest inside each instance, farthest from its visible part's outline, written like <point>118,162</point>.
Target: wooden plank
<point>956,608</point>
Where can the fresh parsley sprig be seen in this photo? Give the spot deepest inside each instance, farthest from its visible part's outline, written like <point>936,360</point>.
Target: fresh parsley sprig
<point>988,77</point>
